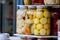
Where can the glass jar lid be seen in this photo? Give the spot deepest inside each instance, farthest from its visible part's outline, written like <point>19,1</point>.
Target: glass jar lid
<point>31,6</point>
<point>40,6</point>
<point>23,7</point>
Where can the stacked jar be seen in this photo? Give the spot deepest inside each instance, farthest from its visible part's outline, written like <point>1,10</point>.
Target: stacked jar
<point>41,21</point>
<point>21,19</point>
<point>55,14</point>
<point>27,2</point>
<point>54,2</point>
<point>29,19</point>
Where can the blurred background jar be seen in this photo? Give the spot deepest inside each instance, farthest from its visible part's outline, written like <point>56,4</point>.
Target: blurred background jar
<point>19,2</point>
<point>27,2</point>
<point>39,2</point>
<point>34,2</point>
<point>55,14</point>
<point>21,19</point>
<point>54,2</point>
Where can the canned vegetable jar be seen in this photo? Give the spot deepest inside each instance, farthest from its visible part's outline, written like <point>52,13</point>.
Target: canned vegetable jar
<point>42,21</point>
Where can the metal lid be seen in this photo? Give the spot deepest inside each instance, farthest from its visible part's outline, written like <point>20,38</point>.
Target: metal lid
<point>40,6</point>
<point>31,6</point>
<point>23,7</point>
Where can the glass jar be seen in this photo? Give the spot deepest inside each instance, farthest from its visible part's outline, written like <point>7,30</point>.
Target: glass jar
<point>20,17</point>
<point>27,2</point>
<point>54,20</point>
<point>41,1</point>
<point>19,2</point>
<point>29,19</point>
<point>42,21</point>
<point>35,2</point>
<point>52,2</point>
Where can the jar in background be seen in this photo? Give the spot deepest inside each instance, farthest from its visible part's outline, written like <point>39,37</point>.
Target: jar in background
<point>34,2</point>
<point>42,21</point>
<point>54,20</point>
<point>19,2</point>
<point>41,1</point>
<point>54,2</point>
<point>29,19</point>
<point>27,2</point>
<point>20,17</point>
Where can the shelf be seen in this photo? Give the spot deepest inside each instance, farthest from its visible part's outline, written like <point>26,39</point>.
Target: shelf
<point>33,36</point>
<point>53,6</point>
<point>57,6</point>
